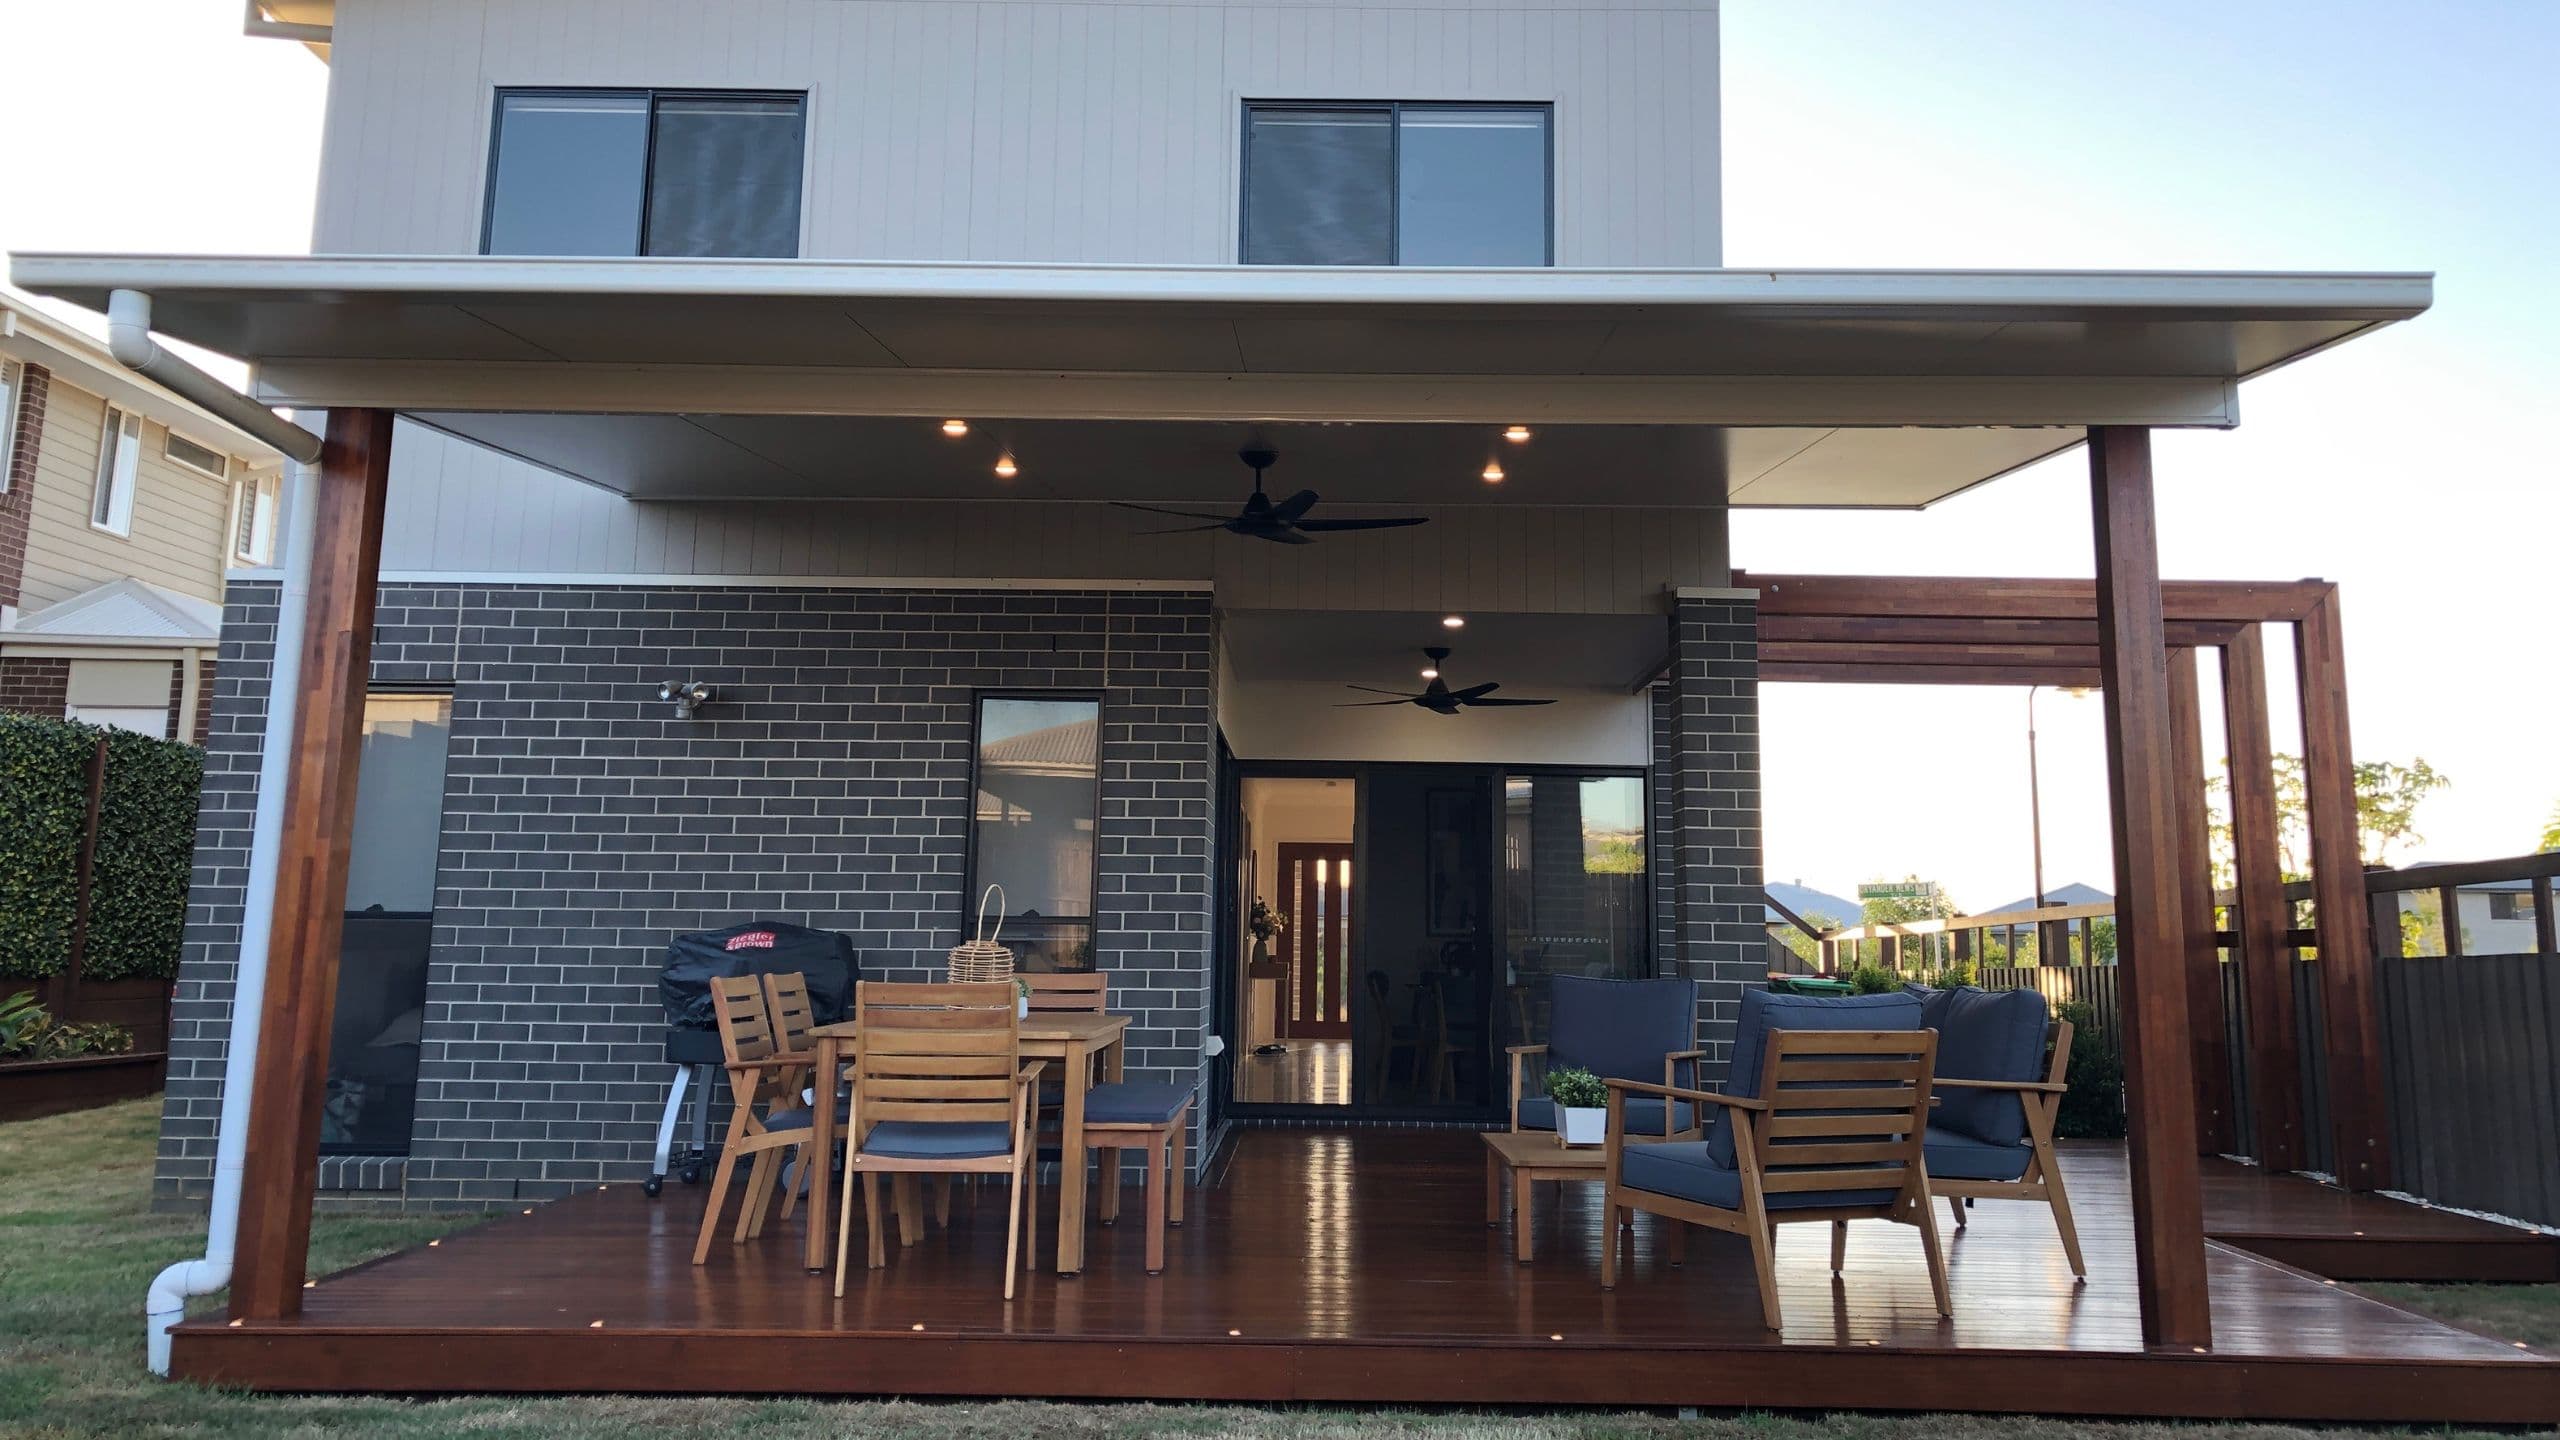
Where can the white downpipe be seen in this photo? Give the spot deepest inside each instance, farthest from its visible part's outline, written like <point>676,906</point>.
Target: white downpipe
<point>212,1271</point>
<point>129,339</point>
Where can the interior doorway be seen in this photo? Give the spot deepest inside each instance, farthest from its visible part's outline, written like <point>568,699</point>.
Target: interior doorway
<point>1298,948</point>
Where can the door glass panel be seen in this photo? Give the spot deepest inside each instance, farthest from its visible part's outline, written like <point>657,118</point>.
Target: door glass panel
<point>1318,187</point>
<point>382,957</point>
<point>1471,186</point>
<point>724,176</point>
<point>1039,781</point>
<point>1573,887</point>
<point>570,173</point>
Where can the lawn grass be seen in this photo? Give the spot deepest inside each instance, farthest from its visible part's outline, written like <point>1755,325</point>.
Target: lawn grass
<point>79,1245</point>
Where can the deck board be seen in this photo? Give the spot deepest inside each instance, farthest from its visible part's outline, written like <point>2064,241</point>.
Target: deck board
<point>1356,1265</point>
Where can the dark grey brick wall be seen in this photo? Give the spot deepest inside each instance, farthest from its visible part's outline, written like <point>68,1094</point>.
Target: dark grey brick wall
<point>1713,757</point>
<point>584,823</point>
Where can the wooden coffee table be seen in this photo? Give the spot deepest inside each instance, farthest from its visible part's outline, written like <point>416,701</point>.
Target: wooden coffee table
<point>1530,1156</point>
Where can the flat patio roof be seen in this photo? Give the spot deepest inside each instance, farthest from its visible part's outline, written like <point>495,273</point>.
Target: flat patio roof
<point>1791,388</point>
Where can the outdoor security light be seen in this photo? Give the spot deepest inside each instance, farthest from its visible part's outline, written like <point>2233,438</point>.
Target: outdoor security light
<point>686,697</point>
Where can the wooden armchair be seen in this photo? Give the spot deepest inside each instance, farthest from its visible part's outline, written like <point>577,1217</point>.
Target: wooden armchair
<point>1618,1030</point>
<point>939,1088</point>
<point>766,1113</point>
<point>1834,1132</point>
<point>1975,1150</point>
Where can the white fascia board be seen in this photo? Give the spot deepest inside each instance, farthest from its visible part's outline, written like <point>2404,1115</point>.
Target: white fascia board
<point>2382,295</point>
<point>2168,402</point>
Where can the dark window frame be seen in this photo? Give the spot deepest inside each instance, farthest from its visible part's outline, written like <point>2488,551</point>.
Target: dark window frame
<point>1394,110</point>
<point>970,887</point>
<point>651,95</point>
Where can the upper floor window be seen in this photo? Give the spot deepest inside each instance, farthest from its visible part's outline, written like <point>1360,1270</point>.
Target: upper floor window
<point>1398,184</point>
<point>253,518</point>
<point>12,381</point>
<point>203,459</point>
<point>119,460</point>
<point>645,172</point>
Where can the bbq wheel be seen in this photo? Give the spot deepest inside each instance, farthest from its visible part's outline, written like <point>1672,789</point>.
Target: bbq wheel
<point>651,1186</point>
<point>692,1172</point>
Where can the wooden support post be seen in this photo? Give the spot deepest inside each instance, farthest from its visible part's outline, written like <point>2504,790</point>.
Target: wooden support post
<point>280,1162</point>
<point>2546,926</point>
<point>2264,915</point>
<point>2203,963</point>
<point>2350,998</point>
<point>2133,658</point>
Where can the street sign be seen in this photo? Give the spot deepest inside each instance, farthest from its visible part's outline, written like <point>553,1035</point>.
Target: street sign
<point>1900,890</point>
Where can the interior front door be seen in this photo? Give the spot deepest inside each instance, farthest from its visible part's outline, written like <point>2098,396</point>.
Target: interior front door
<point>1315,890</point>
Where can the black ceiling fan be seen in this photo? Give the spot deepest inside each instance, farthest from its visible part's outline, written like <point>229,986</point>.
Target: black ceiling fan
<point>1283,523</point>
<point>1437,697</point>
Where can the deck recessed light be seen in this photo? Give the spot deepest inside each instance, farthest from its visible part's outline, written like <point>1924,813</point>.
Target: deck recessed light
<point>1454,622</point>
<point>1231,1332</point>
<point>955,428</point>
<point>1517,434</point>
<point>1005,468</point>
<point>1493,472</point>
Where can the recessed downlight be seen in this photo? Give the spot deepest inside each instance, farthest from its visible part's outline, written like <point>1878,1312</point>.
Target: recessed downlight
<point>955,428</point>
<point>1430,672</point>
<point>1517,434</point>
<point>1493,472</point>
<point>1454,622</point>
<point>1005,468</point>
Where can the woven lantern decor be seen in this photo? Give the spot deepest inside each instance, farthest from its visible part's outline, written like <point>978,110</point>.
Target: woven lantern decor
<point>980,960</point>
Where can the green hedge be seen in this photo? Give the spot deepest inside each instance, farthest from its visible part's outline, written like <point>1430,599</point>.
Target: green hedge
<point>146,839</point>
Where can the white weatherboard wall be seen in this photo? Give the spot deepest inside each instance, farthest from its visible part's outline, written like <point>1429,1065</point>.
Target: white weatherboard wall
<point>458,509</point>
<point>1027,129</point>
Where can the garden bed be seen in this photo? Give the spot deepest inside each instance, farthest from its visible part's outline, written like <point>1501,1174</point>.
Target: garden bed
<point>50,1087</point>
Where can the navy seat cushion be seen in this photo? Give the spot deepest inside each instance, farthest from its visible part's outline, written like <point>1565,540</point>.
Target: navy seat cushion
<point>1644,1114</point>
<point>1688,1170</point>
<point>1134,1102</point>
<point>938,1139</point>
<point>1620,1029</point>
<point>788,1120</point>
<point>1766,1010</point>
<point>1951,1156</point>
<point>1985,1035</point>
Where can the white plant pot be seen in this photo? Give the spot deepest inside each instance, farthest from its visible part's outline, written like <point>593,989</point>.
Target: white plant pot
<point>1576,1125</point>
<point>1022,1007</point>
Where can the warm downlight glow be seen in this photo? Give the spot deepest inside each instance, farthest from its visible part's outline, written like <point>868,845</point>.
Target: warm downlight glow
<point>1454,622</point>
<point>1517,434</point>
<point>1493,472</point>
<point>955,428</point>
<point>1005,468</point>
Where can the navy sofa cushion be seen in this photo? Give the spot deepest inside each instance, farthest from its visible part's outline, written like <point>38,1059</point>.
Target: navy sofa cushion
<point>795,1119</point>
<point>1765,1010</point>
<point>1985,1035</point>
<point>1134,1102</point>
<point>1620,1029</point>
<point>1951,1156</point>
<point>1644,1114</point>
<point>938,1139</point>
<point>1689,1171</point>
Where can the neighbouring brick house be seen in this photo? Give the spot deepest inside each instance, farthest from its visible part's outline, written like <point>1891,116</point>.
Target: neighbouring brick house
<point>121,507</point>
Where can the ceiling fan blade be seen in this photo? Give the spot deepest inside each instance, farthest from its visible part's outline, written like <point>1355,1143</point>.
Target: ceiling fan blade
<point>1504,700</point>
<point>1295,506</point>
<point>1381,523</point>
<point>1473,691</point>
<point>1160,510</point>
<point>1292,535</point>
<point>1184,529</point>
<point>1365,704</point>
<point>1374,690</point>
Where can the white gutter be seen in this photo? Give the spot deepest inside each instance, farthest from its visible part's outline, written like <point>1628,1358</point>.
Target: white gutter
<point>129,339</point>
<point>257,26</point>
<point>167,1304</point>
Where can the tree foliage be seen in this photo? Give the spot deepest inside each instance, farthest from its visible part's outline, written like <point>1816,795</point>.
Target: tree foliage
<point>2388,795</point>
<point>140,871</point>
<point>2551,832</point>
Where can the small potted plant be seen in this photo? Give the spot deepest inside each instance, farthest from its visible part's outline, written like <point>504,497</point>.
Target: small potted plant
<point>1021,998</point>
<point>1267,925</point>
<point>1582,1106</point>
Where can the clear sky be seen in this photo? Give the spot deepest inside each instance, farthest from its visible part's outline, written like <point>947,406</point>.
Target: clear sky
<point>2414,467</point>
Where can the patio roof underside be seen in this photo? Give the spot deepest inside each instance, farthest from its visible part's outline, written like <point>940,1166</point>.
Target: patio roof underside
<point>728,379</point>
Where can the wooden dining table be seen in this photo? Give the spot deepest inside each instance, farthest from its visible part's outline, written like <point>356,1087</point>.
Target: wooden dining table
<point>1075,1040</point>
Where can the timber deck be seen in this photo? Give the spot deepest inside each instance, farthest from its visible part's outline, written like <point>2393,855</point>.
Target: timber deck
<point>1355,1266</point>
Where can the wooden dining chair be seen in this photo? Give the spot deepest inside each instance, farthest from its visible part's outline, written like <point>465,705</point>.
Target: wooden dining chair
<point>766,1113</point>
<point>787,1004</point>
<point>939,1089</point>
